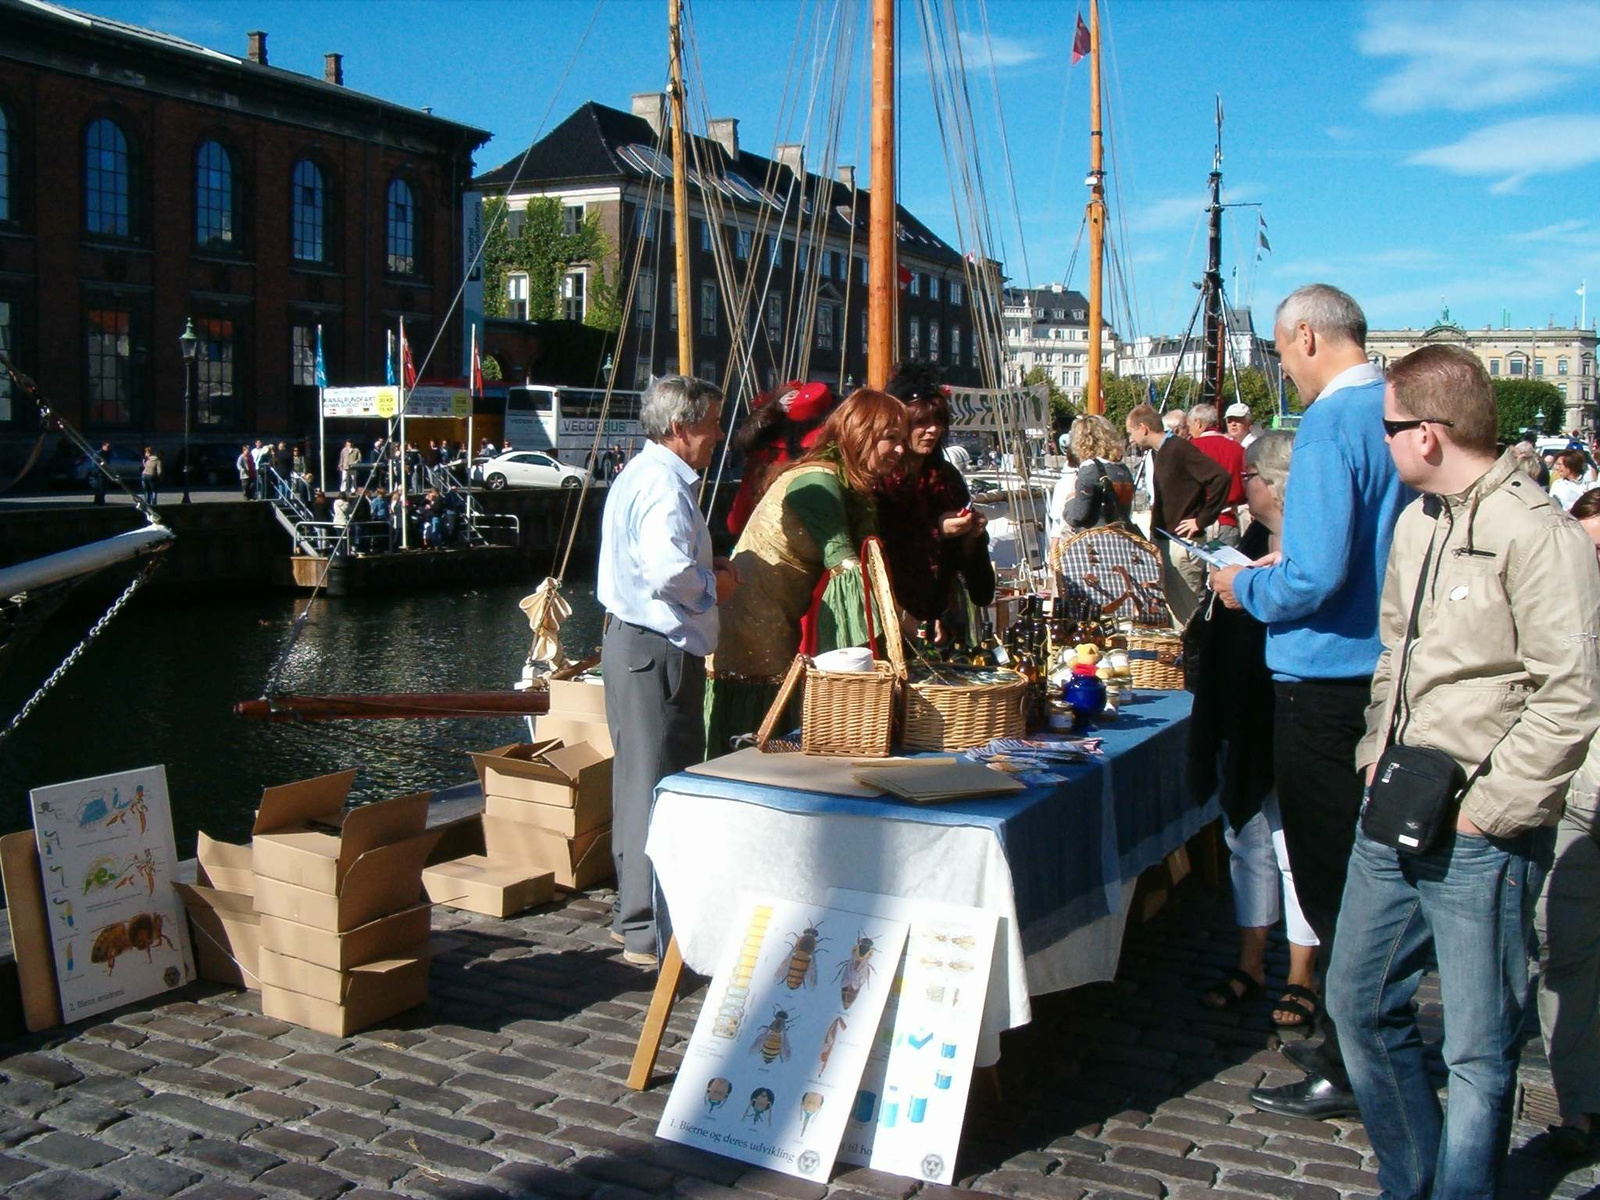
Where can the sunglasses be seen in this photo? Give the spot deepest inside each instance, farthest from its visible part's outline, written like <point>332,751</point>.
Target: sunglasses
<point>1396,428</point>
<point>1247,476</point>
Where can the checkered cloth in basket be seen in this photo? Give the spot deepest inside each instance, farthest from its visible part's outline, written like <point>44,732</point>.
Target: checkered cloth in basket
<point>1109,572</point>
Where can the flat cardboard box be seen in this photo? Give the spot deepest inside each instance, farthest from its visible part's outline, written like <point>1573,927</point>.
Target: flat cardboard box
<point>592,810</point>
<point>574,727</point>
<point>227,935</point>
<point>305,836</point>
<point>577,863</point>
<point>568,774</point>
<point>493,889</point>
<point>582,698</point>
<point>371,993</point>
<point>225,865</point>
<point>324,983</point>
<point>384,938</point>
<point>380,882</point>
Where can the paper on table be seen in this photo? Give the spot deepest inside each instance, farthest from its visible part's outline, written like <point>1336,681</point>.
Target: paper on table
<point>1213,554</point>
<point>939,781</point>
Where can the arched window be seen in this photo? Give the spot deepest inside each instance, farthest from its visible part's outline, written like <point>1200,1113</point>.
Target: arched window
<point>107,181</point>
<point>306,210</point>
<point>214,217</point>
<point>7,161</point>
<point>402,224</point>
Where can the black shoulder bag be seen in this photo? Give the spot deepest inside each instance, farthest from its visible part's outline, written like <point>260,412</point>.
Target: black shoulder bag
<point>1415,790</point>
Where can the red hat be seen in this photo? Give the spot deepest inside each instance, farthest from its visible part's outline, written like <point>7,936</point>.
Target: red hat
<point>805,402</point>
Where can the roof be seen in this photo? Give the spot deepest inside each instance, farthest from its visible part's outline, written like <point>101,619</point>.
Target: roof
<point>599,143</point>
<point>147,41</point>
<point>1066,299</point>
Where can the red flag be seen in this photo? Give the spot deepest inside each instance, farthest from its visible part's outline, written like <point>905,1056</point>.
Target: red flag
<point>476,383</point>
<point>408,370</point>
<point>905,276</point>
<point>1080,41</point>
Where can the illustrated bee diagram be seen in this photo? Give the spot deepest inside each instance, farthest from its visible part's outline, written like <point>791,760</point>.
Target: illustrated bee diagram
<point>801,964</point>
<point>772,1040</point>
<point>135,807</point>
<point>856,971</point>
<point>834,1026</point>
<point>141,932</point>
<point>760,1106</point>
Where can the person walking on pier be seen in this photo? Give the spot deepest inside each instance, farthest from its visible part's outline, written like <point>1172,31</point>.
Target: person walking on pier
<point>150,475</point>
<point>246,466</point>
<point>349,460</point>
<point>97,472</point>
<point>660,587</point>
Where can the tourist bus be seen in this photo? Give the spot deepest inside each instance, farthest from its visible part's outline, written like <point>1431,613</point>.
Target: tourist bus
<point>564,420</point>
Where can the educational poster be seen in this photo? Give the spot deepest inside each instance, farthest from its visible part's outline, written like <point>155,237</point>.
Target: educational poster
<point>116,923</point>
<point>772,1067</point>
<point>908,1112</point>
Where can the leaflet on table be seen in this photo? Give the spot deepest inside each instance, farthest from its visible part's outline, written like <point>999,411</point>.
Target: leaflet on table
<point>106,855</point>
<point>771,1069</point>
<point>909,1109</point>
<point>1213,554</point>
<point>1031,756</point>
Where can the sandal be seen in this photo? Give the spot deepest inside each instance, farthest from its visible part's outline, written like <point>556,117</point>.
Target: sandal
<point>1303,1002</point>
<point>1233,988</point>
<point>1572,1141</point>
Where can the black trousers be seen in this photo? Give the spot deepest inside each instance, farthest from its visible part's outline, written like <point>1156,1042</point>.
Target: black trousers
<point>1317,726</point>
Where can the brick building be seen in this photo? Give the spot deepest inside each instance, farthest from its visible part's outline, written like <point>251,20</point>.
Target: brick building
<point>797,239</point>
<point>145,180</point>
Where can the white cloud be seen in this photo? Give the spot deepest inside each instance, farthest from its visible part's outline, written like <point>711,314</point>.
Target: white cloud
<point>1340,133</point>
<point>1464,57</point>
<point>1518,150</point>
<point>1007,52</point>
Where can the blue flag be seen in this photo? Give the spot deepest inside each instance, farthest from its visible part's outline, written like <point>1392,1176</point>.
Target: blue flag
<point>322,367</point>
<point>388,361</point>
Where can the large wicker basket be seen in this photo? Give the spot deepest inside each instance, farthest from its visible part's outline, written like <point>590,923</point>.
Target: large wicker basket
<point>1155,658</point>
<point>958,716</point>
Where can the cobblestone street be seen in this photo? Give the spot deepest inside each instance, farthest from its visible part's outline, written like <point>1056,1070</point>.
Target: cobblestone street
<point>509,1083</point>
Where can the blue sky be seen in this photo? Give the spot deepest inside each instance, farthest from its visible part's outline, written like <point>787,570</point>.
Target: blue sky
<point>1408,152</point>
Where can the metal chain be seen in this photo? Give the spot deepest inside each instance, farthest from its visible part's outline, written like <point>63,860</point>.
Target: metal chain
<point>138,581</point>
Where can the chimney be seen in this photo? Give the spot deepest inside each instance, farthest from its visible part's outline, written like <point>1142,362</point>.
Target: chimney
<point>847,176</point>
<point>793,156</point>
<point>258,46</point>
<point>333,69</point>
<point>725,132</point>
<point>652,106</point>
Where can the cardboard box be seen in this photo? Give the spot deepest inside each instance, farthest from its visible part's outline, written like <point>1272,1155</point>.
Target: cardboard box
<point>494,889</point>
<point>592,810</point>
<point>577,863</point>
<point>306,837</point>
<point>583,698</point>
<point>387,937</point>
<point>378,883</point>
<point>225,866</point>
<point>227,935</point>
<point>574,727</point>
<point>548,772</point>
<point>332,986</point>
<point>370,993</point>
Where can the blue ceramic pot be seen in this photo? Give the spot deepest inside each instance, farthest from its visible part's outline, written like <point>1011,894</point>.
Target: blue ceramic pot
<point>1085,695</point>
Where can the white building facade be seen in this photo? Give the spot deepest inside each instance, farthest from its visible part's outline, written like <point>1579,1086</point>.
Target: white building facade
<point>1049,327</point>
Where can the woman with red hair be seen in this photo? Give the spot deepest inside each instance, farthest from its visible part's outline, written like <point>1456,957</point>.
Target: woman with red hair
<point>807,528</point>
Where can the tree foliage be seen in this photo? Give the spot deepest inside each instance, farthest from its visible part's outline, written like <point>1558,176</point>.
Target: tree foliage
<point>491,370</point>
<point>546,253</point>
<point>1528,405</point>
<point>1123,393</point>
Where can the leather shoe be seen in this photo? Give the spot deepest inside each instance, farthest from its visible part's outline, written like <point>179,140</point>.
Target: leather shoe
<point>1303,1054</point>
<point>1312,1097</point>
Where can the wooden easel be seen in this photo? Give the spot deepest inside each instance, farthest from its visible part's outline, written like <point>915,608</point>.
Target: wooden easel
<point>655,1018</point>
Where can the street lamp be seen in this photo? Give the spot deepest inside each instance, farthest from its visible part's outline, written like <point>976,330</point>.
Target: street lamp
<point>191,346</point>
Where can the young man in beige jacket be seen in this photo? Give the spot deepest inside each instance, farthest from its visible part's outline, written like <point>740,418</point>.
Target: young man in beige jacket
<point>1490,621</point>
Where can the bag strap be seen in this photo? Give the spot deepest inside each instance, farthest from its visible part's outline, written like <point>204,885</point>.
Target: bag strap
<point>780,705</point>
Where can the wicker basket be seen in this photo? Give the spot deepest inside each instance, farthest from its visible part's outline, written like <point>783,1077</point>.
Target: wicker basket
<point>958,716</point>
<point>1155,659</point>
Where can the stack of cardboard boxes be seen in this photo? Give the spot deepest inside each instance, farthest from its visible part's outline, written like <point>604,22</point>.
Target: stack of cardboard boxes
<point>343,930</point>
<point>222,913</point>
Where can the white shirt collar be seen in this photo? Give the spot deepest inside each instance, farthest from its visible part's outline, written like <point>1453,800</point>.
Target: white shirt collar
<point>1352,377</point>
<point>671,461</point>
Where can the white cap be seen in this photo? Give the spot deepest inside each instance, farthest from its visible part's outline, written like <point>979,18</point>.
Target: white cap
<point>1237,409</point>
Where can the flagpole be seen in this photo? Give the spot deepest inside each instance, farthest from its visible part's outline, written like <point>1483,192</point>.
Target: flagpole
<point>405,458</point>
<point>472,404</point>
<point>322,424</point>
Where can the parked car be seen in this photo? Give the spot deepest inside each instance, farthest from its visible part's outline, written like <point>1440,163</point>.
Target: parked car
<point>526,468</point>
<point>75,471</point>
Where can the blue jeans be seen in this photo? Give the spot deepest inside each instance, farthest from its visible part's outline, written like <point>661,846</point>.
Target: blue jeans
<point>1468,902</point>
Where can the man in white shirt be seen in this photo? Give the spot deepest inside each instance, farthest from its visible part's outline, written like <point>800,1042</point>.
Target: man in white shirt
<point>1240,422</point>
<point>660,587</point>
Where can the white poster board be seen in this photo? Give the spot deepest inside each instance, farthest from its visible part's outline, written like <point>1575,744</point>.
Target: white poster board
<point>771,1069</point>
<point>117,926</point>
<point>907,1115</point>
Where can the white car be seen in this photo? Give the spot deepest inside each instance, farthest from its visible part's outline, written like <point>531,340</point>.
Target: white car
<point>527,468</point>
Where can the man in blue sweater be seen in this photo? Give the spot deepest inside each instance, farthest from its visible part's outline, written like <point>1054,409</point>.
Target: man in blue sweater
<point>1319,600</point>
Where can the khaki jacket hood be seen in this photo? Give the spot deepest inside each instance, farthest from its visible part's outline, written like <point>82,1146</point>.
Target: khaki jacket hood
<point>1506,657</point>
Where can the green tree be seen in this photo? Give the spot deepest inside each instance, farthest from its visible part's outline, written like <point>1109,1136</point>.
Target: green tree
<point>1061,411</point>
<point>491,370</point>
<point>1528,405</point>
<point>545,252</point>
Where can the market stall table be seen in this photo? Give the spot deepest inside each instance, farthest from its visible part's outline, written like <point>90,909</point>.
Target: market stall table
<point>1057,863</point>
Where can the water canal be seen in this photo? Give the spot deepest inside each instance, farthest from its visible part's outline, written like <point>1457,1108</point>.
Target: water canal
<point>160,684</point>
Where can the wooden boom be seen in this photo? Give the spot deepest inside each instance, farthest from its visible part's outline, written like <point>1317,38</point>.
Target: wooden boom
<point>394,705</point>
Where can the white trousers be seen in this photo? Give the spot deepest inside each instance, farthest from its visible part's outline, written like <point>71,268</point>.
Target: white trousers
<point>1260,870</point>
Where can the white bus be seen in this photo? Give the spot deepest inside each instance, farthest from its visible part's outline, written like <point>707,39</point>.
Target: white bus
<point>563,421</point>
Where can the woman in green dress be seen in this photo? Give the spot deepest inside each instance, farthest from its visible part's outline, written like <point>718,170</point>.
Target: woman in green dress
<point>805,531</point>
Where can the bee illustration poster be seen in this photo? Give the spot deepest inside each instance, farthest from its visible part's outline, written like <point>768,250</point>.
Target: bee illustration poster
<point>907,1115</point>
<point>117,925</point>
<point>773,1065</point>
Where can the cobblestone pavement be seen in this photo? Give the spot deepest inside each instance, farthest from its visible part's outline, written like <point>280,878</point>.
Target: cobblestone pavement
<point>509,1083</point>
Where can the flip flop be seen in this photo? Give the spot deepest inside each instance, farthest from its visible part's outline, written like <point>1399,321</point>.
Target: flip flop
<point>1223,993</point>
<point>1571,1142</point>
<point>1291,1002</point>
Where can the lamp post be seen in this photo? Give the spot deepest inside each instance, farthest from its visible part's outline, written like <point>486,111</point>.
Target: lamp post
<point>191,346</point>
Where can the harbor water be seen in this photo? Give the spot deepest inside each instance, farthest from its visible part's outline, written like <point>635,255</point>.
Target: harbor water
<point>160,683</point>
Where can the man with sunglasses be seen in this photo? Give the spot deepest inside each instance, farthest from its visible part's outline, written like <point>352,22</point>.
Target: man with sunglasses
<point>1490,664</point>
<point>1319,601</point>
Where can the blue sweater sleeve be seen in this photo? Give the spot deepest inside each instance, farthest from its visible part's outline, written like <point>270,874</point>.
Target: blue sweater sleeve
<point>1319,525</point>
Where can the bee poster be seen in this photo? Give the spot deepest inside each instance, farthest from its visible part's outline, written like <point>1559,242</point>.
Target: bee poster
<point>773,1065</point>
<point>907,1114</point>
<point>106,853</point>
